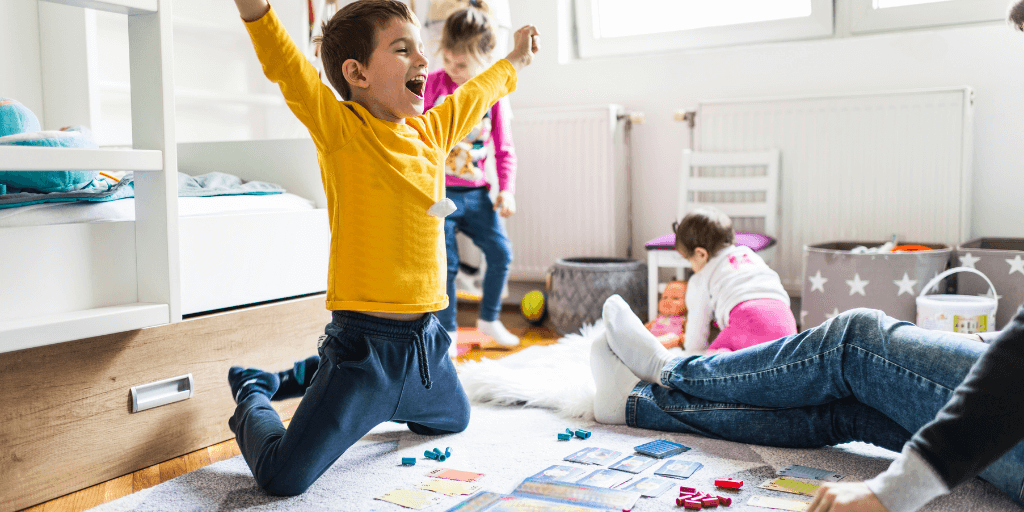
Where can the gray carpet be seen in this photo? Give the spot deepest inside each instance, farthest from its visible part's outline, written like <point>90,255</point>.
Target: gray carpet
<point>508,444</point>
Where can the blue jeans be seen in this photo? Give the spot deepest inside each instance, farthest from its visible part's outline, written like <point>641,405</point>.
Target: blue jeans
<point>371,370</point>
<point>861,376</point>
<point>476,218</point>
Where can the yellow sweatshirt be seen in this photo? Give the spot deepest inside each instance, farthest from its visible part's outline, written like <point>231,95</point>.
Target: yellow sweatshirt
<point>387,253</point>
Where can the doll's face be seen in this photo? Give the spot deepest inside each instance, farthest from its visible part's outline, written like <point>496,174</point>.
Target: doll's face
<point>673,300</point>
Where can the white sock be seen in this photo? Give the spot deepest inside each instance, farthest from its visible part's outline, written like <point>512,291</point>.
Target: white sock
<point>453,349</point>
<point>497,330</point>
<point>632,342</point>
<point>614,382</point>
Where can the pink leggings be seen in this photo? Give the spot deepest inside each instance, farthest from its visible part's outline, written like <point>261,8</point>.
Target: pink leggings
<point>755,321</point>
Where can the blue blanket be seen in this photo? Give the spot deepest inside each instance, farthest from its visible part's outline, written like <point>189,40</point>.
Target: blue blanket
<point>212,184</point>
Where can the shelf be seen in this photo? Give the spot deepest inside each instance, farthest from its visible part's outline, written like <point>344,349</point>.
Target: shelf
<point>76,325</point>
<point>115,6</point>
<point>25,158</point>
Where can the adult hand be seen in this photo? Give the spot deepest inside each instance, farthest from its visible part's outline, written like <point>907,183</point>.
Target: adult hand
<point>505,204</point>
<point>845,497</point>
<point>527,43</point>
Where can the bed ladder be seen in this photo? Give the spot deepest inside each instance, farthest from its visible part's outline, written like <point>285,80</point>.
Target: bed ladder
<point>154,162</point>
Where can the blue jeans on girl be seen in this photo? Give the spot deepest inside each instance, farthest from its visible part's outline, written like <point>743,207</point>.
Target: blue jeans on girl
<point>476,218</point>
<point>371,370</point>
<point>861,376</point>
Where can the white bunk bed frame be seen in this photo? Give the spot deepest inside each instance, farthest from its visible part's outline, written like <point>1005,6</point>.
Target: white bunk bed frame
<point>154,161</point>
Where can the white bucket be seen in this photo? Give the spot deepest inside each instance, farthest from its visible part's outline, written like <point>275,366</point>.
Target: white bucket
<point>957,313</point>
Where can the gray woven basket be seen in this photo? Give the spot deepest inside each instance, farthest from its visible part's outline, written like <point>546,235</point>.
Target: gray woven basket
<point>579,287</point>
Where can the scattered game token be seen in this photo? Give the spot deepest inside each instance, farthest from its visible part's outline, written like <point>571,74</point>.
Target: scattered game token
<point>430,455</point>
<point>582,434</point>
<point>564,437</point>
<point>686,489</point>
<point>447,451</point>
<point>660,449</point>
<point>408,461</point>
<point>729,483</point>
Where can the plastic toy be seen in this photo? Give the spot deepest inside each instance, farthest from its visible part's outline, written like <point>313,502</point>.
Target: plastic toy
<point>670,324</point>
<point>564,437</point>
<point>660,449</point>
<point>408,461</point>
<point>582,434</point>
<point>448,451</point>
<point>729,483</point>
<point>534,307</point>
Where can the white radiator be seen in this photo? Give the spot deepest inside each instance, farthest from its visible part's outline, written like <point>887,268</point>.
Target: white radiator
<point>572,194</point>
<point>856,168</point>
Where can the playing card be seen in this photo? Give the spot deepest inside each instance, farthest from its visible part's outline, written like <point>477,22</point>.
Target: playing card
<point>410,498</point>
<point>811,473</point>
<point>559,474</point>
<point>453,474</point>
<point>650,486</point>
<point>577,456</point>
<point>790,485</point>
<point>660,448</point>
<point>599,456</point>
<point>634,464</point>
<point>676,468</point>
<point>779,503</point>
<point>449,487</point>
<point>606,478</point>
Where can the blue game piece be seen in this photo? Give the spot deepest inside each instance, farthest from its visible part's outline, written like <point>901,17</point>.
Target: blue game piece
<point>408,461</point>
<point>564,437</point>
<point>660,449</point>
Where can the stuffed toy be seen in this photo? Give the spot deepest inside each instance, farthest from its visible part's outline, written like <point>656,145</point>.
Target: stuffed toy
<point>20,127</point>
<point>670,324</point>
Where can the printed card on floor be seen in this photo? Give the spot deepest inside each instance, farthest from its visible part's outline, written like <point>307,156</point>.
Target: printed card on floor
<point>790,485</point>
<point>453,474</point>
<point>411,498</point>
<point>558,473</point>
<point>798,471</point>
<point>779,503</point>
<point>676,468</point>
<point>606,478</point>
<point>578,456</point>
<point>634,464</point>
<point>650,486</point>
<point>599,456</point>
<point>449,487</point>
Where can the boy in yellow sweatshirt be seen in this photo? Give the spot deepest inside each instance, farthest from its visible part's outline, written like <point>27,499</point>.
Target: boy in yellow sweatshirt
<point>383,357</point>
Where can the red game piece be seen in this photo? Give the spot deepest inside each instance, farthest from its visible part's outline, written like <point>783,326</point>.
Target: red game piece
<point>683,489</point>
<point>724,500</point>
<point>679,502</point>
<point>729,482</point>
<point>709,502</point>
<point>693,504</point>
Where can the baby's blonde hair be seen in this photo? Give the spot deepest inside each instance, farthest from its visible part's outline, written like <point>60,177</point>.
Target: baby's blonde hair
<point>470,31</point>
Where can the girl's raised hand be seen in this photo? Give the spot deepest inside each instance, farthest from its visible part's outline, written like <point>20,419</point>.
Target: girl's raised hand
<point>527,43</point>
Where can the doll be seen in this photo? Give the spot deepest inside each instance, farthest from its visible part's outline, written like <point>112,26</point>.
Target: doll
<point>670,324</point>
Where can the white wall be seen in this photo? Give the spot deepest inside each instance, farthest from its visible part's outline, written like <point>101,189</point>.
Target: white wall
<point>20,75</point>
<point>987,57</point>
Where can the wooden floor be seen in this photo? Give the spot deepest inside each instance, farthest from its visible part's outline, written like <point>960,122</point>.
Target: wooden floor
<point>153,475</point>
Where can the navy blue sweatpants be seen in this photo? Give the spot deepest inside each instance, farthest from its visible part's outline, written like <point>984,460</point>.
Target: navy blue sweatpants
<point>371,370</point>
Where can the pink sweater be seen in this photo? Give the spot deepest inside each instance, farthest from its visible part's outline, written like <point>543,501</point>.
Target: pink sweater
<point>464,166</point>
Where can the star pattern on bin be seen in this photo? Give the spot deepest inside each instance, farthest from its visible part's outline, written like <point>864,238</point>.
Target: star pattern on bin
<point>906,285</point>
<point>991,294</point>
<point>857,285</point>
<point>803,314</point>
<point>968,260</point>
<point>1016,265</point>
<point>818,282</point>
<point>833,314</point>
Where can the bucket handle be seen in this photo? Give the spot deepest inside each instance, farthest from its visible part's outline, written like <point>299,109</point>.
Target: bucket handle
<point>935,280</point>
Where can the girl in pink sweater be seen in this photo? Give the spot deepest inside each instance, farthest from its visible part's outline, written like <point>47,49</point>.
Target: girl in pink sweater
<point>466,45</point>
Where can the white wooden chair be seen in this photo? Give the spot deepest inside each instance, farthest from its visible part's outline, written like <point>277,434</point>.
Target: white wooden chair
<point>750,198</point>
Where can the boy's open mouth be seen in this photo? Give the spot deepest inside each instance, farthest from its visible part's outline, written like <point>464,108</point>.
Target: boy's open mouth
<point>416,85</point>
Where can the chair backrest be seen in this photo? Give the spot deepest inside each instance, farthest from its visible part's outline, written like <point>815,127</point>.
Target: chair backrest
<point>744,186</point>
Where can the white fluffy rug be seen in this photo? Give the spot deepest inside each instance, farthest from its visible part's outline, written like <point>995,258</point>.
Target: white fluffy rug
<point>554,376</point>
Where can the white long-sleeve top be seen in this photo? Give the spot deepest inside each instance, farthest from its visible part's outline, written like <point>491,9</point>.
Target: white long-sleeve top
<point>733,275</point>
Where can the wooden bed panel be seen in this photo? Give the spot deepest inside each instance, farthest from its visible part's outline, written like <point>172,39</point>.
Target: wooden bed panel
<point>65,420</point>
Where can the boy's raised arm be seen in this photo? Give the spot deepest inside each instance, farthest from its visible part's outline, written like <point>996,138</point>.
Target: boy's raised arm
<point>252,10</point>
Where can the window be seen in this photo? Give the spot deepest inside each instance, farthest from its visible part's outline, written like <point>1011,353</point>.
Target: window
<point>612,27</point>
<point>885,15</point>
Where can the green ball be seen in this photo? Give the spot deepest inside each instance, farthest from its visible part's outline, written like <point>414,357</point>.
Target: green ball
<point>534,307</point>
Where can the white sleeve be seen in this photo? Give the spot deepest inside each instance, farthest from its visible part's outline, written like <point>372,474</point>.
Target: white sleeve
<point>908,484</point>
<point>698,316</point>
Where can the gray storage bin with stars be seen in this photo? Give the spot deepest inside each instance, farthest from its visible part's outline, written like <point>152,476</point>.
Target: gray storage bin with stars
<point>1002,261</point>
<point>836,280</point>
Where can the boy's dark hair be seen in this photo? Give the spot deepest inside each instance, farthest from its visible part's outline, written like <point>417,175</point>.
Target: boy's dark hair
<point>470,31</point>
<point>704,227</point>
<point>1016,15</point>
<point>352,34</point>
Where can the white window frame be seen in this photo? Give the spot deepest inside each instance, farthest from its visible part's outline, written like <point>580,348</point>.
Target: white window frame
<point>865,19</point>
<point>818,24</point>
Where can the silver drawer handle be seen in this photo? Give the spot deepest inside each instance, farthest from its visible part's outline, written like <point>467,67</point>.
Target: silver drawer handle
<point>161,392</point>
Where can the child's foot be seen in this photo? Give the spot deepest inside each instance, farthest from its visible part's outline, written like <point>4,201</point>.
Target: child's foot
<point>295,380</point>
<point>632,342</point>
<point>246,381</point>
<point>453,349</point>
<point>497,330</point>
<point>614,382</point>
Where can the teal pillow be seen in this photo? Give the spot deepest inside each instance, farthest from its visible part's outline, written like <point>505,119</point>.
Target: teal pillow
<point>50,181</point>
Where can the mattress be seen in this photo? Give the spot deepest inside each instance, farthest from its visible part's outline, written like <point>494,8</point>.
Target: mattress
<point>124,209</point>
